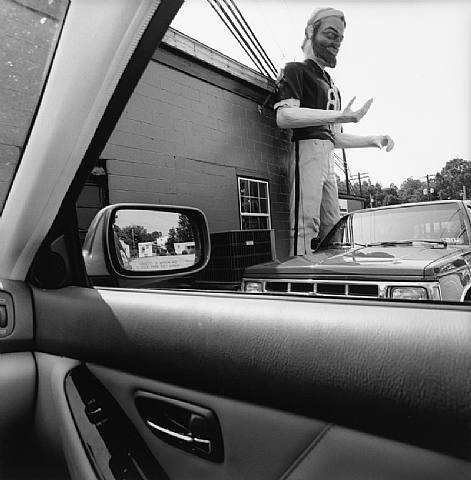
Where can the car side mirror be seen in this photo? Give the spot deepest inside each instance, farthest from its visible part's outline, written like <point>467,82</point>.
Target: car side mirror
<point>139,244</point>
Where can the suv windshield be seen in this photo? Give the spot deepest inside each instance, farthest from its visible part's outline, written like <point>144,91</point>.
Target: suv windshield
<point>429,222</point>
<point>30,31</point>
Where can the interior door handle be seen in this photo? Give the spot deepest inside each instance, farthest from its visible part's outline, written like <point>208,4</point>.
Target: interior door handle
<point>200,442</point>
<point>184,425</point>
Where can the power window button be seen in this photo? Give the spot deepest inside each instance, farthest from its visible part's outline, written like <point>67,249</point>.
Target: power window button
<point>3,316</point>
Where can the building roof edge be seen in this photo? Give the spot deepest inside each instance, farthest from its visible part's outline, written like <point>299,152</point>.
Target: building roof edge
<point>179,41</point>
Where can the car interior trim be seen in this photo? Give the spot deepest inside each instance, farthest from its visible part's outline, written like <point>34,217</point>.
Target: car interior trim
<point>260,443</point>
<point>381,391</point>
<point>263,443</point>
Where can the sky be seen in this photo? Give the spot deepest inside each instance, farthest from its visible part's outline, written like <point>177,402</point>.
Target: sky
<point>151,220</point>
<point>412,57</point>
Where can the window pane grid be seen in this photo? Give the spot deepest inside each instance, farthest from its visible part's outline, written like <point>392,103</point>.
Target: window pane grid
<point>254,204</point>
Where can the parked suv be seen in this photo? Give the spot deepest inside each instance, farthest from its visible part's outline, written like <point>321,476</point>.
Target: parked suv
<point>418,251</point>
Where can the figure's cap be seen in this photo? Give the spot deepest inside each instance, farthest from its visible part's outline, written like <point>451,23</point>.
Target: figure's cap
<point>321,13</point>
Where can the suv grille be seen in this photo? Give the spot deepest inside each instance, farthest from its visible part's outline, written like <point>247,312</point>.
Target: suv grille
<point>320,288</point>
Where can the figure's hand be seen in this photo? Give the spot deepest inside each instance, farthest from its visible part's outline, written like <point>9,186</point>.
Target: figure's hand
<point>354,116</point>
<point>384,141</point>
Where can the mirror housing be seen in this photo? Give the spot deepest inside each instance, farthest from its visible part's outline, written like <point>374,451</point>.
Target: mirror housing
<point>115,256</point>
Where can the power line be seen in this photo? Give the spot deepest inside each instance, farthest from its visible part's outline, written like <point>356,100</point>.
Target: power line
<point>361,176</point>
<point>249,32</point>
<point>236,34</point>
<point>341,164</point>
<point>272,34</point>
<point>230,15</point>
<point>288,16</point>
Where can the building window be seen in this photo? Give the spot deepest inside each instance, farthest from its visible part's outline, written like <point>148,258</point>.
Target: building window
<point>254,202</point>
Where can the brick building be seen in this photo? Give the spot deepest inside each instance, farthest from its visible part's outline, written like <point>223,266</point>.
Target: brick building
<point>193,133</point>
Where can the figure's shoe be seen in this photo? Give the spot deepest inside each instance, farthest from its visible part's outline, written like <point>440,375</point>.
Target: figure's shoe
<point>315,242</point>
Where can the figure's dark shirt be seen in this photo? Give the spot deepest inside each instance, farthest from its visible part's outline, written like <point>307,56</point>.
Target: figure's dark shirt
<point>308,83</point>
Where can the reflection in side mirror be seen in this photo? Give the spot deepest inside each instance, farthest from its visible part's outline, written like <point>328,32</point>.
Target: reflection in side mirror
<point>149,240</point>
<point>141,245</point>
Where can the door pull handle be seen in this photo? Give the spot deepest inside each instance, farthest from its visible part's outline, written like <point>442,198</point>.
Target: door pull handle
<point>183,425</point>
<point>199,442</point>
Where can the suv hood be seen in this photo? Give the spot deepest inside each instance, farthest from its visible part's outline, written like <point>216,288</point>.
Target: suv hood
<point>400,260</point>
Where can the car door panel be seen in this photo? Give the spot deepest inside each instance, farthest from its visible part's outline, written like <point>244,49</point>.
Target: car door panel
<point>30,446</point>
<point>17,374</point>
<point>259,442</point>
<point>18,378</point>
<point>265,443</point>
<point>391,370</point>
<point>17,395</point>
<point>345,454</point>
<point>54,424</point>
<point>17,336</point>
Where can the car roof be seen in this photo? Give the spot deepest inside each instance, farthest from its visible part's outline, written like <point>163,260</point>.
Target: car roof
<point>415,204</point>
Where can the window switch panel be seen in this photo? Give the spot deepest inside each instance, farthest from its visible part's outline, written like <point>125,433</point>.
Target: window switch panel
<point>3,316</point>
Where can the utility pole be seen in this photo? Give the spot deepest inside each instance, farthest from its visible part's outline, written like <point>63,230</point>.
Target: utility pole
<point>347,182</point>
<point>465,197</point>
<point>360,176</point>
<point>429,189</point>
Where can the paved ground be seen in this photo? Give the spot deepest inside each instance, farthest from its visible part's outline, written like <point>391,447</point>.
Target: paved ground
<point>164,262</point>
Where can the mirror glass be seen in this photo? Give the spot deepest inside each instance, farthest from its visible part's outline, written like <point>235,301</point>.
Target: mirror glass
<point>148,240</point>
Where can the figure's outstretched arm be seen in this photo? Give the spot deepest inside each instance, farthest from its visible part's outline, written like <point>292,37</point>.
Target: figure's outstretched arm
<point>299,117</point>
<point>346,140</point>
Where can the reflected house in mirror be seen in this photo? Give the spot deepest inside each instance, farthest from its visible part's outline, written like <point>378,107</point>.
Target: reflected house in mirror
<point>184,248</point>
<point>145,249</point>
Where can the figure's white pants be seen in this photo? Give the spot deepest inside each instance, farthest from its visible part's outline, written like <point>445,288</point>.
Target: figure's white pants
<point>314,204</point>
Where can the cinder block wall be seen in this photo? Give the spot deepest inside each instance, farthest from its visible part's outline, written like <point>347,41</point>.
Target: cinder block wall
<point>183,140</point>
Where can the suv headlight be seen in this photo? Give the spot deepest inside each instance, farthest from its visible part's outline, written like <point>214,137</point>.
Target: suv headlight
<point>253,287</point>
<point>408,293</point>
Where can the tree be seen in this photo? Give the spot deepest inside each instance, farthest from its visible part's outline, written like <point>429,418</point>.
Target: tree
<point>391,195</point>
<point>412,190</point>
<point>341,185</point>
<point>182,233</point>
<point>184,230</point>
<point>454,175</point>
<point>448,184</point>
<point>373,192</point>
<point>171,239</point>
<point>155,235</point>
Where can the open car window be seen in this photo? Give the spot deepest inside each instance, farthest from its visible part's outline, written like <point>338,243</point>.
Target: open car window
<point>199,130</point>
